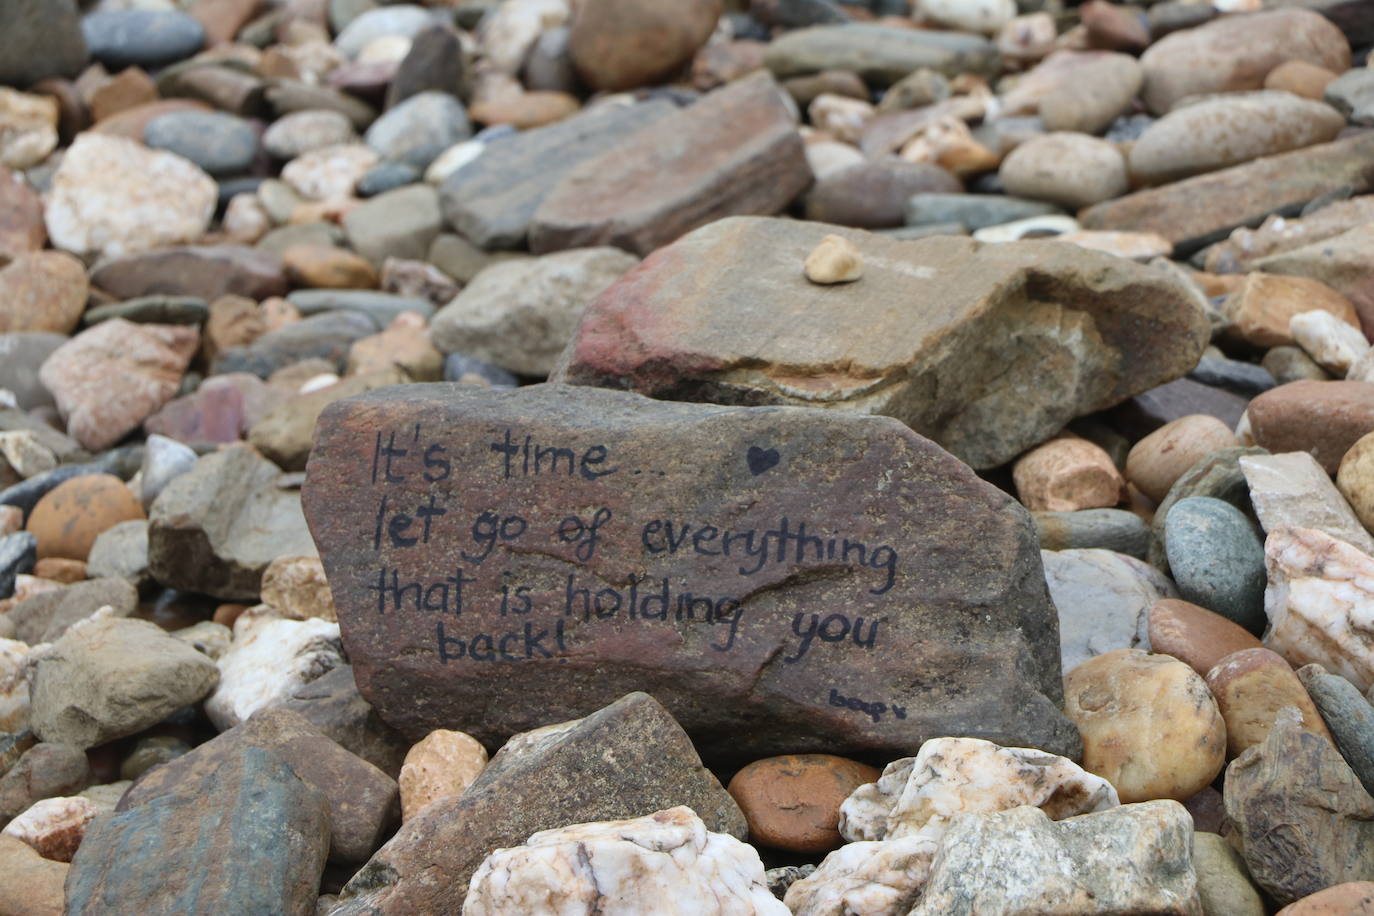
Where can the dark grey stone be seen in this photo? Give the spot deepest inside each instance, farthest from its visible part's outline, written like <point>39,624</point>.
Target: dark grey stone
<point>39,39</point>
<point>324,336</point>
<point>492,200</point>
<point>18,553</point>
<point>387,177</point>
<point>1348,716</point>
<point>458,365</point>
<point>1217,559</point>
<point>975,211</point>
<point>219,143</point>
<point>152,310</point>
<point>141,38</point>
<point>435,62</point>
<point>333,704</point>
<point>1233,375</point>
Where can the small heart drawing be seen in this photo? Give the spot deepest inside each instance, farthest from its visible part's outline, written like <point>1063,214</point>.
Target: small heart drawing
<point>761,459</point>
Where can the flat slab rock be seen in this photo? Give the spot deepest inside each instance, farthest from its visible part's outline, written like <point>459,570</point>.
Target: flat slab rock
<point>782,580</point>
<point>725,314</point>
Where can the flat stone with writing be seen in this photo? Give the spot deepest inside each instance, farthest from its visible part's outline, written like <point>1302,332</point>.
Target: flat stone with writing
<point>782,579</point>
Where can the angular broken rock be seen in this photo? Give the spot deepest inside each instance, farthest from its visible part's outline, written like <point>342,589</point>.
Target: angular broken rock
<point>627,760</point>
<point>1320,603</point>
<point>1303,820</point>
<point>249,837</point>
<point>269,659</point>
<point>806,581</point>
<point>643,862</point>
<point>1198,211</point>
<point>492,200</point>
<point>725,315</point>
<point>216,528</point>
<point>948,777</point>
<point>1291,489</point>
<point>737,151</point>
<point>1128,859</point>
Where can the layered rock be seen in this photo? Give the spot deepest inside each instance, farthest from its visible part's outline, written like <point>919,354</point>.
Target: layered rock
<point>726,315</point>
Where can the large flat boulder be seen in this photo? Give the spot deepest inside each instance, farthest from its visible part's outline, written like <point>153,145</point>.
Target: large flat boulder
<point>987,349</point>
<point>783,580</point>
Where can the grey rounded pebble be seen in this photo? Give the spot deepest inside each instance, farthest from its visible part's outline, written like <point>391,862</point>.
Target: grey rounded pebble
<point>387,177</point>
<point>1108,529</point>
<point>420,128</point>
<point>164,460</point>
<point>1217,475</point>
<point>1236,376</point>
<point>457,366</point>
<point>219,143</point>
<point>1348,716</point>
<point>152,310</point>
<point>141,38</point>
<point>1217,559</point>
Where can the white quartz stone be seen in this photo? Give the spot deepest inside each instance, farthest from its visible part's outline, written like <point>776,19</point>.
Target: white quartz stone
<point>1320,602</point>
<point>1293,490</point>
<point>269,659</point>
<point>666,863</point>
<point>1104,600</point>
<point>866,879</point>
<point>508,32</point>
<point>1332,344</point>
<point>984,16</point>
<point>951,776</point>
<point>54,826</point>
<point>14,686</point>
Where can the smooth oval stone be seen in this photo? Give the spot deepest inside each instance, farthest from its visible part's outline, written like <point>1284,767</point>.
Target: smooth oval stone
<point>976,211</point>
<point>420,128</point>
<point>1347,714</point>
<point>1108,529</point>
<point>459,367</point>
<point>1234,375</point>
<point>219,143</point>
<point>141,38</point>
<point>380,307</point>
<point>1194,635</point>
<point>153,310</point>
<point>387,177</point>
<point>1217,559</point>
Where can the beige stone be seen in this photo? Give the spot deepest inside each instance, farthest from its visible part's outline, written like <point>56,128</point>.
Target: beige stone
<point>1350,898</point>
<point>1291,489</point>
<point>330,173</point>
<point>1150,726</point>
<point>14,686</point>
<point>1069,169</point>
<point>295,587</point>
<point>948,143</point>
<point>1355,479</point>
<point>28,128</point>
<point>1320,603</point>
<point>1137,246</point>
<point>441,764</point>
<point>404,345</point>
<point>1261,309</point>
<point>1065,475</point>
<point>1332,343</point>
<point>30,885</point>
<point>834,260</point>
<point>840,116</point>
<point>1165,455</point>
<point>1250,687</point>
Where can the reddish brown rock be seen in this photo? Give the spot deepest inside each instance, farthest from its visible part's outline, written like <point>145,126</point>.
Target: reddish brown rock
<point>1322,418</point>
<point>1194,635</point>
<point>1261,307</point>
<point>68,519</point>
<point>793,802</point>
<point>912,339</point>
<point>1198,211</point>
<point>61,569</point>
<point>42,291</point>
<point>108,379</point>
<point>1250,687</point>
<point>765,673</point>
<point>1236,53</point>
<point>1166,454</point>
<point>1342,262</point>
<point>622,44</point>
<point>1353,898</point>
<point>1114,28</point>
<point>736,151</point>
<point>222,409</point>
<point>235,321</point>
<point>21,217</point>
<point>208,271</point>
<point>130,88</point>
<point>222,19</point>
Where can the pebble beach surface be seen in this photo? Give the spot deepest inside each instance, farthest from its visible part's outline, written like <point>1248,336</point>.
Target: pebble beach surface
<point>701,457</point>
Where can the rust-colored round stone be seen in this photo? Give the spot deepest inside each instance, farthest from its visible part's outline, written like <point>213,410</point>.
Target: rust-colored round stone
<point>1354,898</point>
<point>60,569</point>
<point>793,802</point>
<point>70,517</point>
<point>1194,635</point>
